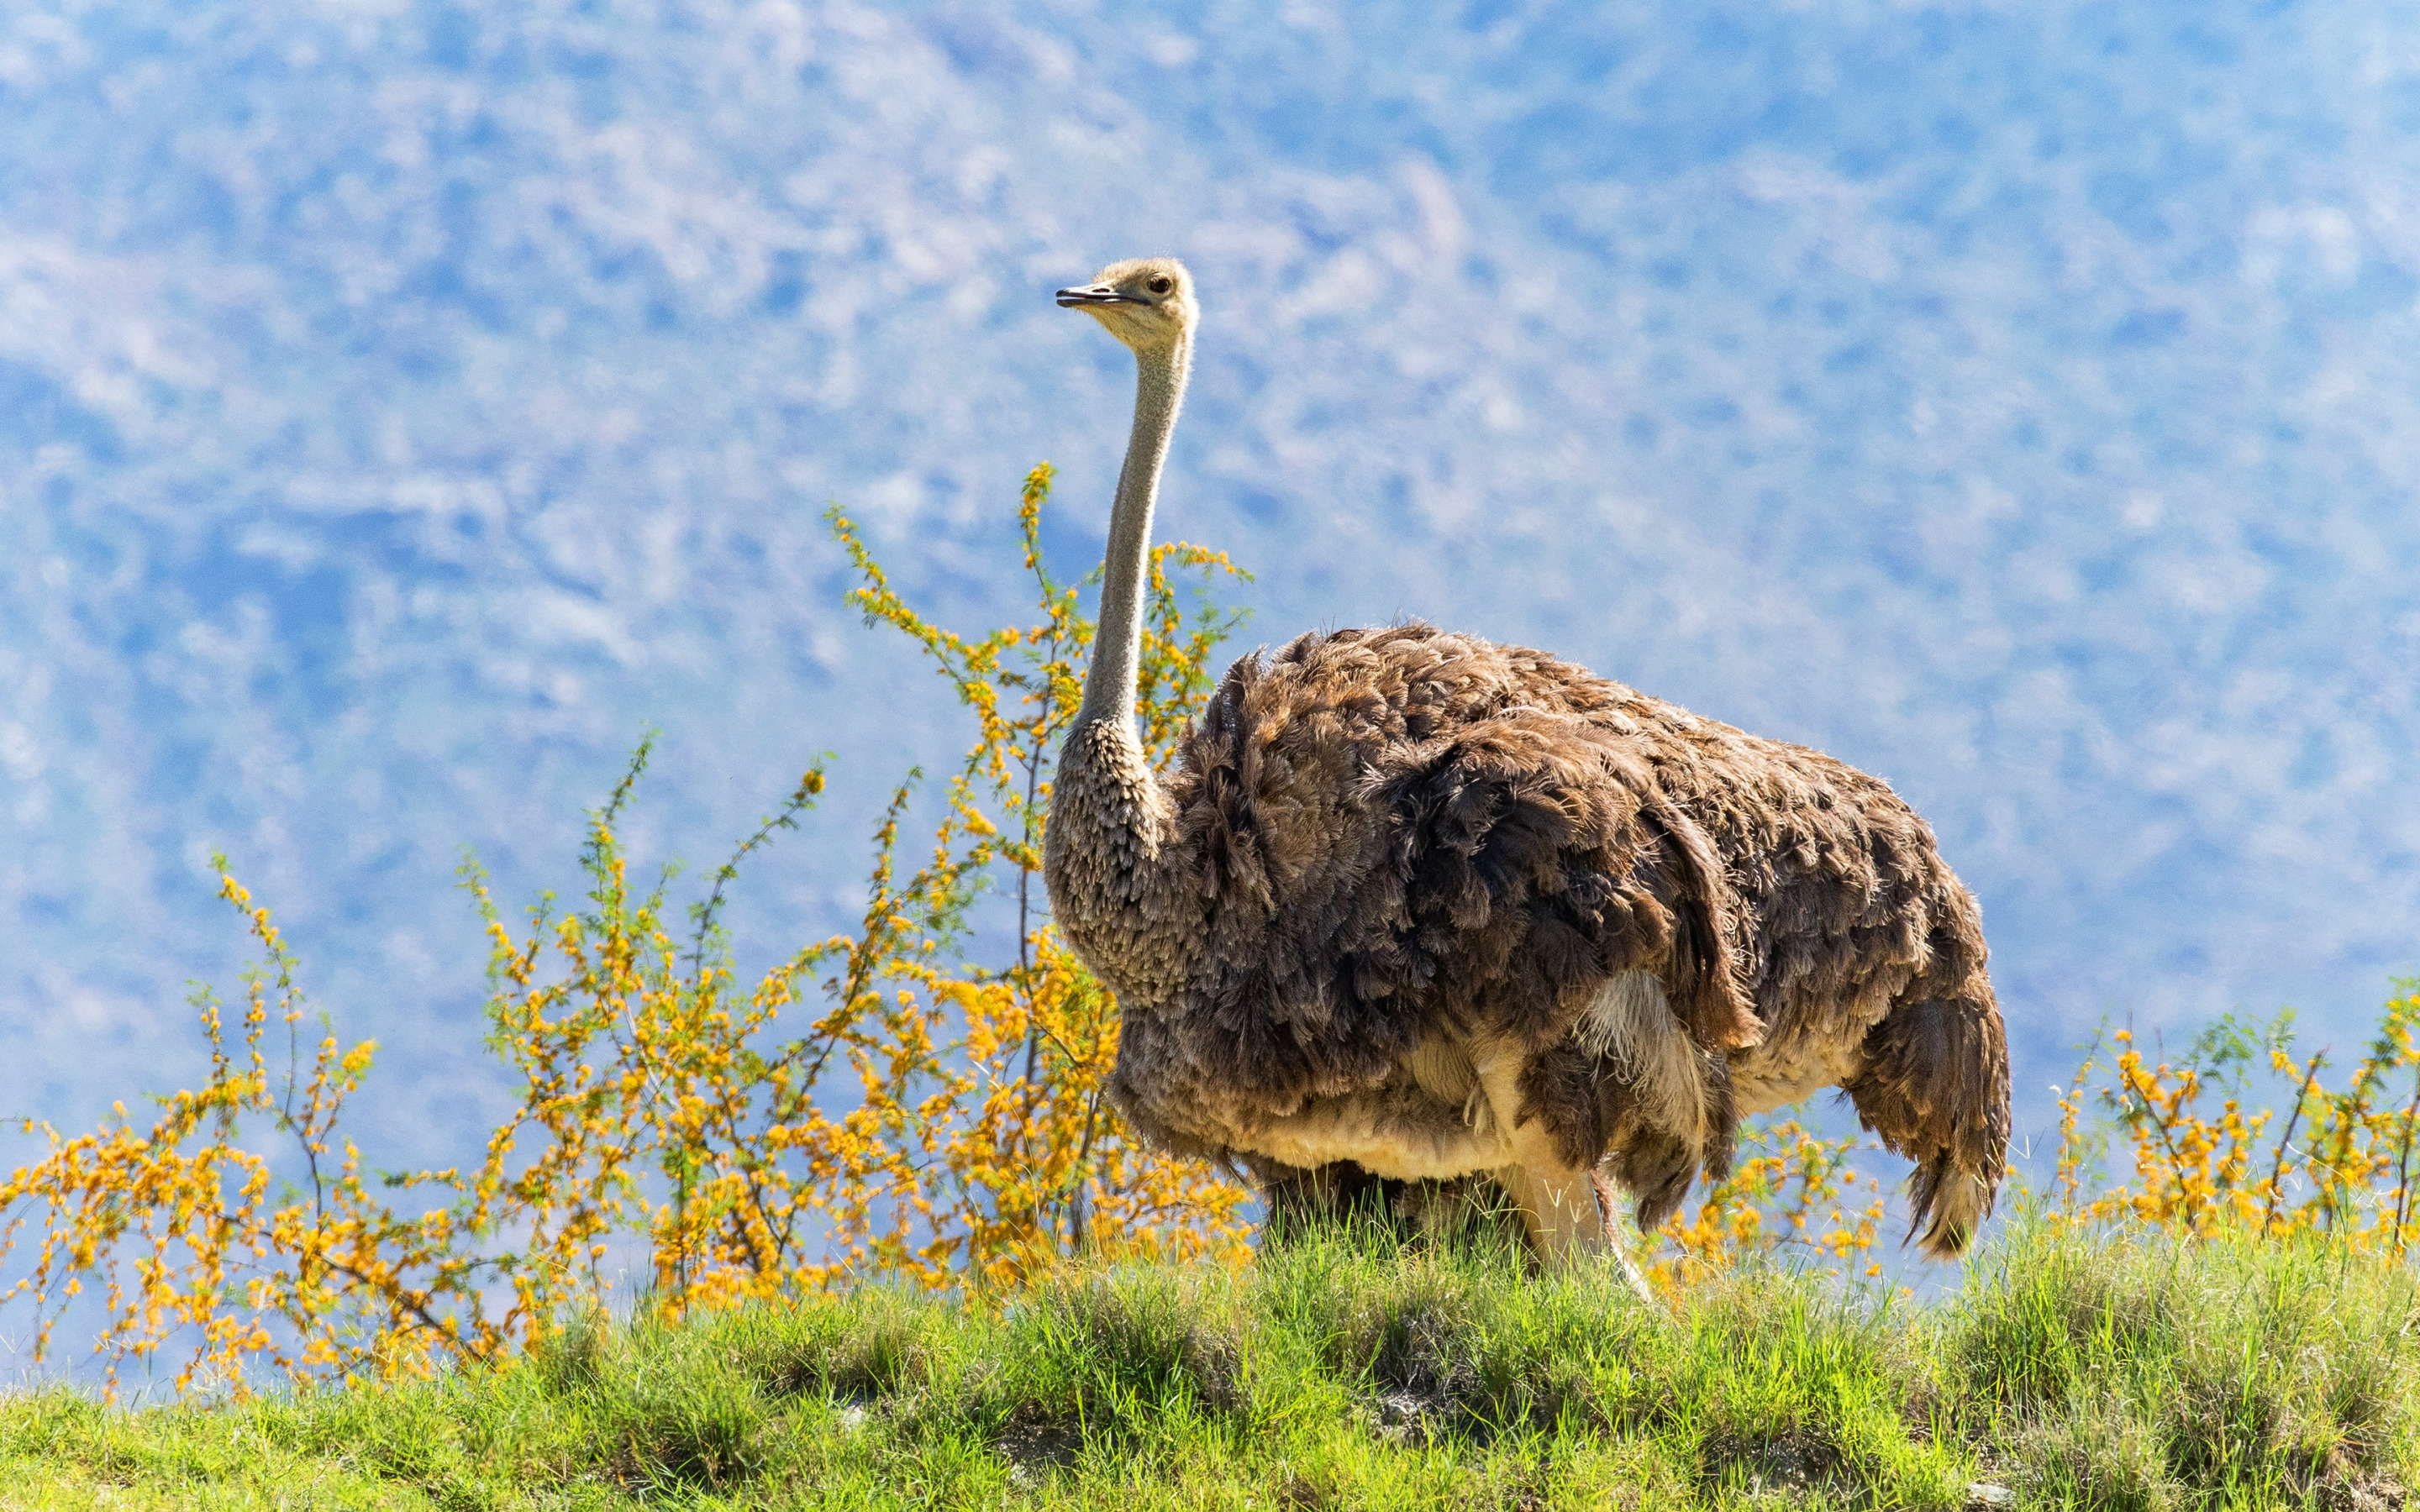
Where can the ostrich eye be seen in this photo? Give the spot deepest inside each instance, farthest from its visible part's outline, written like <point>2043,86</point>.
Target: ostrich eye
<point>1162,284</point>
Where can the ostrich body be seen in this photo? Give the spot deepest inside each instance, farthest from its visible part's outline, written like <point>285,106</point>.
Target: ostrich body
<point>1416,907</point>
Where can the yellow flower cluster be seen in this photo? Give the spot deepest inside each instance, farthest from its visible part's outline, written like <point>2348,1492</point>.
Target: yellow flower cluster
<point>2338,1161</point>
<point>196,1239</point>
<point>1790,1190</point>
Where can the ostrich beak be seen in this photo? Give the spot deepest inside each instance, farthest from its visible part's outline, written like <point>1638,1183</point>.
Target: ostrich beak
<point>1076,298</point>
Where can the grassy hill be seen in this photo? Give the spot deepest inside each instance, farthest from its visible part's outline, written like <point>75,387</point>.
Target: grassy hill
<point>1351,1371</point>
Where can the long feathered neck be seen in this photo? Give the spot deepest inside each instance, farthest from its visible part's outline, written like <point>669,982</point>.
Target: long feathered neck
<point>1117,646</point>
<point>1118,883</point>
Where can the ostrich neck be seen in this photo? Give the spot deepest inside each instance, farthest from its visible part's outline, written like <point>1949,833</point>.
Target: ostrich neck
<point>1117,890</point>
<point>1117,646</point>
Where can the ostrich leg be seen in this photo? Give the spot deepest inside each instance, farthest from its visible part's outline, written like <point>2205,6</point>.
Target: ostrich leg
<point>1566,1210</point>
<point>1558,1201</point>
<point>1558,1209</point>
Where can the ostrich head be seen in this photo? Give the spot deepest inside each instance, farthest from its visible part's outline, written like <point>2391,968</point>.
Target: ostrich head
<point>1146,302</point>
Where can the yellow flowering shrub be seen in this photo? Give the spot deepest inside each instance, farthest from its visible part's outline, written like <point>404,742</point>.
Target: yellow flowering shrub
<point>185,1231</point>
<point>2200,1159</point>
<point>940,1118</point>
<point>882,1101</point>
<point>1791,1192</point>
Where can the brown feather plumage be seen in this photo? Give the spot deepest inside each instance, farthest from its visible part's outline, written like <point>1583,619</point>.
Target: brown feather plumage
<point>1380,840</point>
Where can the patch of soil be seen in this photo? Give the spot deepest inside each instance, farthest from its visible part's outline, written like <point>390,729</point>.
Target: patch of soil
<point>2359,1491</point>
<point>1035,1448</point>
<point>1786,1466</point>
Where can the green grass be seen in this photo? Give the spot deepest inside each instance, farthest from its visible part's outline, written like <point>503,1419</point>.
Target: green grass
<point>1349,1373</point>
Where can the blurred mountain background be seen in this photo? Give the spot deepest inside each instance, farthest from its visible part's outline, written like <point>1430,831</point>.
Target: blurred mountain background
<point>403,405</point>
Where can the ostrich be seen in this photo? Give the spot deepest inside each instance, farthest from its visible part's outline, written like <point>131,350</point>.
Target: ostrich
<point>1413,907</point>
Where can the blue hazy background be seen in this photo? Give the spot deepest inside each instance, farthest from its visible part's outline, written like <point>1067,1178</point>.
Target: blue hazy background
<point>403,405</point>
